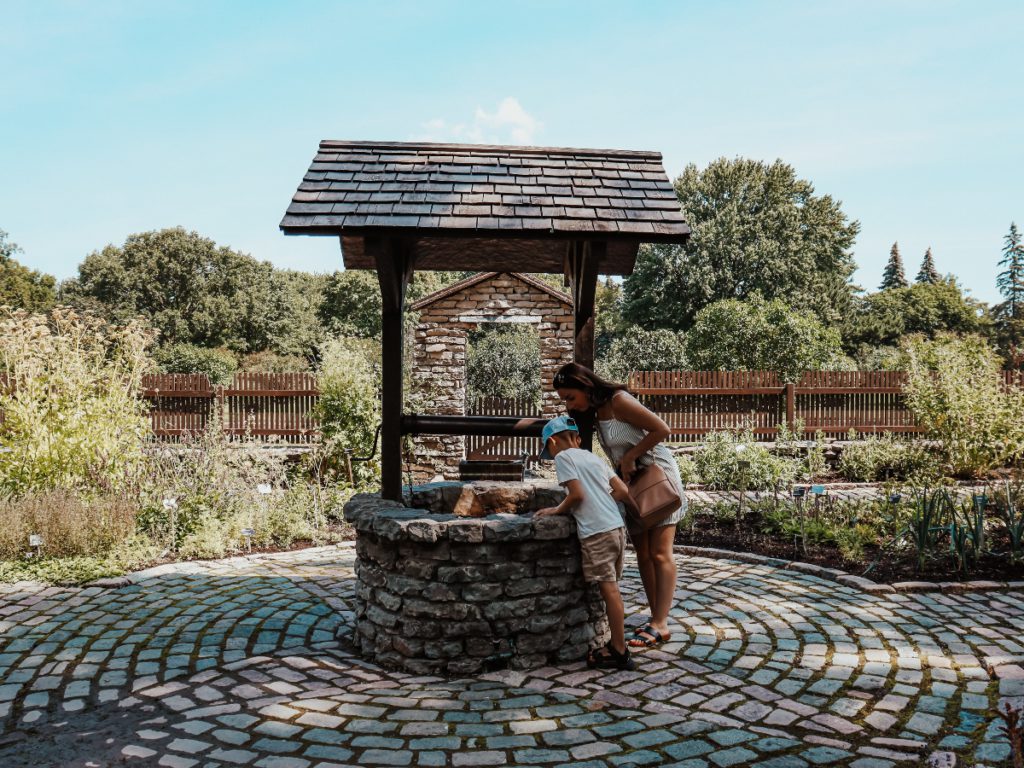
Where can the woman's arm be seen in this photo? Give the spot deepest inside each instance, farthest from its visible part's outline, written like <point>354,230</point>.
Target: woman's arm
<point>621,493</point>
<point>627,408</point>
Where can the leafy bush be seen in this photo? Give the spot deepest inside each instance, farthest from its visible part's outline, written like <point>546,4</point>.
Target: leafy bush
<point>73,415</point>
<point>760,335</point>
<point>718,463</point>
<point>883,457</point>
<point>503,360</point>
<point>269,361</point>
<point>218,364</point>
<point>349,405</point>
<point>639,349</point>
<point>955,390</point>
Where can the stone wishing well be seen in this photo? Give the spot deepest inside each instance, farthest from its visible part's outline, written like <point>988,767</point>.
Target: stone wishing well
<point>466,580</point>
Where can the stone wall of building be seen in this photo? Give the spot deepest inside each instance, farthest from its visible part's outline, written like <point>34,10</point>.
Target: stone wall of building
<point>439,359</point>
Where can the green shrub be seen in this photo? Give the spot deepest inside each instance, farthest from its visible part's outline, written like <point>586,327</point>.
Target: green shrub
<point>349,405</point>
<point>503,360</point>
<point>852,541</point>
<point>755,334</point>
<point>200,494</point>
<point>718,463</point>
<point>73,415</point>
<point>639,349</point>
<point>883,457</point>
<point>219,364</point>
<point>955,390</point>
<point>268,361</point>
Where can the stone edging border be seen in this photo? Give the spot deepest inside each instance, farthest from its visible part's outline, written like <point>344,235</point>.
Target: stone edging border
<point>198,566</point>
<point>848,579</point>
<point>829,574</point>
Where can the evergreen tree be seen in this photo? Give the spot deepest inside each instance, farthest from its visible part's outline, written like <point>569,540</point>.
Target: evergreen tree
<point>1010,314</point>
<point>1011,280</point>
<point>928,273</point>
<point>893,276</point>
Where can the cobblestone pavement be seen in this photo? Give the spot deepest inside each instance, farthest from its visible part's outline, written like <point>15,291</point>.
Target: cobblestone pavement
<point>243,662</point>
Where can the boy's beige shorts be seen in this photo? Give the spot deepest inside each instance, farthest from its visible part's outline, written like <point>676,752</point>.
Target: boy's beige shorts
<point>603,554</point>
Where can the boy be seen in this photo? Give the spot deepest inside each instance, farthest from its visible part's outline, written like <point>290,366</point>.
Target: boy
<point>593,490</point>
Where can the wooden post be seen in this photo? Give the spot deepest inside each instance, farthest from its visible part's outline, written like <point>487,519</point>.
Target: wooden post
<point>394,260</point>
<point>790,390</point>
<point>584,259</point>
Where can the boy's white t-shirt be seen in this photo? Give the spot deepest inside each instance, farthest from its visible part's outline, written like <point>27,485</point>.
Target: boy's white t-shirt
<point>598,512</point>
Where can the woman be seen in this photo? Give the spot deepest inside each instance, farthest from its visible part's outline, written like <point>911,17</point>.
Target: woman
<point>631,436</point>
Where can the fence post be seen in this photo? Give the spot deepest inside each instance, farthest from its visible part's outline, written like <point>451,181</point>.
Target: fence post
<point>790,390</point>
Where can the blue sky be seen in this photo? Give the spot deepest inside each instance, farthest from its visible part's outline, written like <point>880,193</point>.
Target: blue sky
<point>120,117</point>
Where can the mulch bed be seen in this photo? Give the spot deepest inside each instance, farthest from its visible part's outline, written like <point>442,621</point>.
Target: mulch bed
<point>893,566</point>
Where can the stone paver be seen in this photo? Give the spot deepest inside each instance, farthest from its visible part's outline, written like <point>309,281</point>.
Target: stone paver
<point>246,662</point>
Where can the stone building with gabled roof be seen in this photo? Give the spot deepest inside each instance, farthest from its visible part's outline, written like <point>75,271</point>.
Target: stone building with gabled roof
<point>446,318</point>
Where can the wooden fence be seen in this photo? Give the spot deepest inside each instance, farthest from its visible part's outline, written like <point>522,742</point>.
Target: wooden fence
<point>256,404</point>
<point>694,403</point>
<point>482,448</point>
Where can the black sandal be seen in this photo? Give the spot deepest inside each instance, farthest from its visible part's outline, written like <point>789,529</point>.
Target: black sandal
<point>610,660</point>
<point>653,640</point>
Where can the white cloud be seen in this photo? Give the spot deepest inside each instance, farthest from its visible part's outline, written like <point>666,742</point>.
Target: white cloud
<point>508,124</point>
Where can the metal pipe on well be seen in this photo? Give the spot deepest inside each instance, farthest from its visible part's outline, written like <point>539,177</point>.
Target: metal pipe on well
<point>420,424</point>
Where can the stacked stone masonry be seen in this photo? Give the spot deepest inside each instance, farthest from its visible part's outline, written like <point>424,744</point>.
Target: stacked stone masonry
<point>439,362</point>
<point>439,593</point>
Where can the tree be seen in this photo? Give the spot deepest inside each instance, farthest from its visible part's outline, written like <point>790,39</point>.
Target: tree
<point>637,349</point>
<point>1011,280</point>
<point>761,335</point>
<point>928,273</point>
<point>351,303</point>
<point>1010,314</point>
<point>196,292</point>
<point>757,228</point>
<point>893,276</point>
<point>608,322</point>
<point>883,318</point>
<point>21,287</point>
<point>186,286</point>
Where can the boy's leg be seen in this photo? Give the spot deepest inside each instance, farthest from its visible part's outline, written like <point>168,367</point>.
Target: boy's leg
<point>615,612</point>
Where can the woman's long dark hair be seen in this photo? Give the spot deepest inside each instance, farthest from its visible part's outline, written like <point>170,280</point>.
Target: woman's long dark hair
<point>598,390</point>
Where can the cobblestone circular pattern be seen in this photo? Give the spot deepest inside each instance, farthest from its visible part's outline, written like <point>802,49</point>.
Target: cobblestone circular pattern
<point>244,662</point>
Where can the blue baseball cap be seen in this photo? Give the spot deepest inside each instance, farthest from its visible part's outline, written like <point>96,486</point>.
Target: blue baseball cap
<point>553,427</point>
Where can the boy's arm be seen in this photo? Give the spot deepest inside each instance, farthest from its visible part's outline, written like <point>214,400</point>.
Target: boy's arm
<point>573,497</point>
<point>620,492</point>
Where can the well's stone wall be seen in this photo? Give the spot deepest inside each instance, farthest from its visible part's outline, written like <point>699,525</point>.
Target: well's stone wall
<point>441,593</point>
<point>439,359</point>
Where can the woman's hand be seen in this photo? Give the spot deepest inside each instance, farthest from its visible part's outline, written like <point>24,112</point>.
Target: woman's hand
<point>627,467</point>
<point>546,512</point>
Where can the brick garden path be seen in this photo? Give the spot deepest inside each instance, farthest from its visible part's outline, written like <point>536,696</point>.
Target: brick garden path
<point>237,663</point>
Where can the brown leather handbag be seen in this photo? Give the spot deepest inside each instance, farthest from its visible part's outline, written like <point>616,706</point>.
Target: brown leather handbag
<point>655,496</point>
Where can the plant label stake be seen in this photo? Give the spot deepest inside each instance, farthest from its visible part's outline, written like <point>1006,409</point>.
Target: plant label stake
<point>171,505</point>
<point>744,467</point>
<point>35,540</point>
<point>248,533</point>
<point>798,494</point>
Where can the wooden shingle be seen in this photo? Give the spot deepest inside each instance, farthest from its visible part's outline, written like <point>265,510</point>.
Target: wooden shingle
<point>425,190</point>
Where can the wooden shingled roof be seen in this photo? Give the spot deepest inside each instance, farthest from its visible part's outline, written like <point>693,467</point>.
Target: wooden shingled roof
<point>440,194</point>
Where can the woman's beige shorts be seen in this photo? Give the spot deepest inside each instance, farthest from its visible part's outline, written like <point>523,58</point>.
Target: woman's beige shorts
<point>603,554</point>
